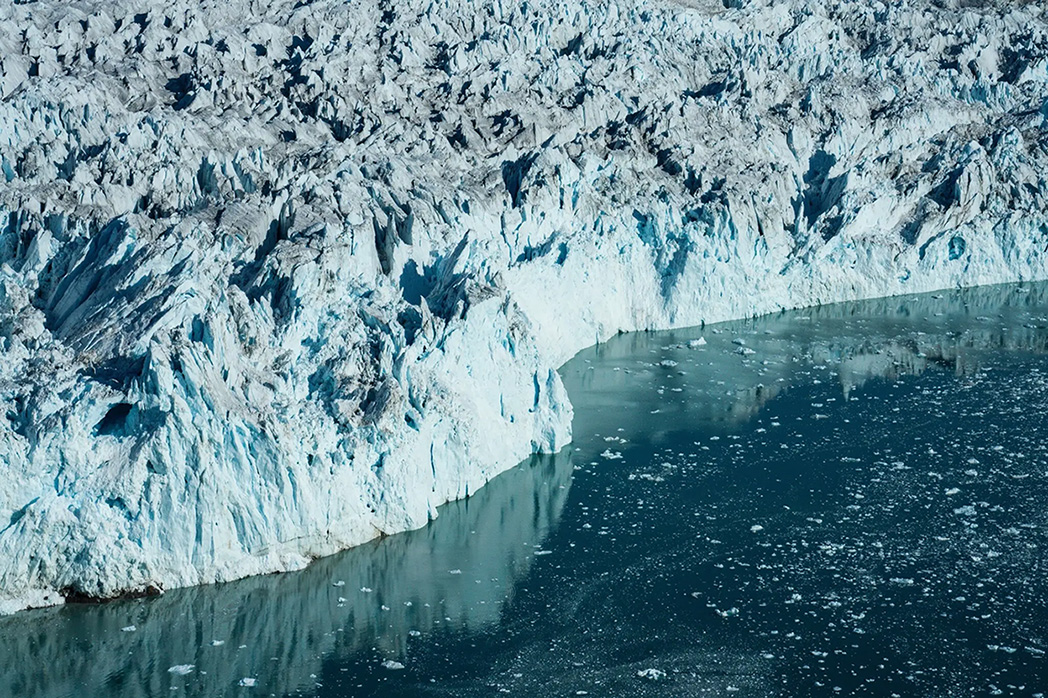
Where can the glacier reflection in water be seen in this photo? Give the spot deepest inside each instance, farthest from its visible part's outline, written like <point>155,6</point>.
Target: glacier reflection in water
<point>844,500</point>
<point>455,574</point>
<point>743,365</point>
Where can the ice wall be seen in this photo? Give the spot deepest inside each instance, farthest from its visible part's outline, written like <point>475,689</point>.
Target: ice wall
<point>278,277</point>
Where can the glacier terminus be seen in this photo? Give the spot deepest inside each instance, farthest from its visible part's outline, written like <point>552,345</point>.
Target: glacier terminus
<point>278,277</point>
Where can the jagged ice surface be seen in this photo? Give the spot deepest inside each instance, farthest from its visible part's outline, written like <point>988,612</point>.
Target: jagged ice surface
<point>278,277</point>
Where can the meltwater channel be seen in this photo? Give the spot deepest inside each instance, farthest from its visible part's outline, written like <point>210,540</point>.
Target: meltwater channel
<point>845,500</point>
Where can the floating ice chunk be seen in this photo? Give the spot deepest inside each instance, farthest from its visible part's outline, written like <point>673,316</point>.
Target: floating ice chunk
<point>339,583</point>
<point>952,491</point>
<point>392,665</point>
<point>414,633</point>
<point>247,682</point>
<point>129,629</point>
<point>217,643</point>
<point>667,363</point>
<point>611,455</point>
<point>182,669</point>
<point>454,571</point>
<point>366,590</point>
<point>696,343</point>
<point>756,528</point>
<point>652,674</point>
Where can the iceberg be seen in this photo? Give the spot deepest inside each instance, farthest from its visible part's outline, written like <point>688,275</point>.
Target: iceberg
<point>279,277</point>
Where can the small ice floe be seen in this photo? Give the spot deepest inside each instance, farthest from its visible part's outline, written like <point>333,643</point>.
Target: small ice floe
<point>366,590</point>
<point>339,583</point>
<point>730,613</point>
<point>744,351</point>
<point>756,528</point>
<point>696,343</point>
<point>611,455</point>
<point>952,491</point>
<point>217,643</point>
<point>667,363</point>
<point>392,665</point>
<point>965,511</point>
<point>454,571</point>
<point>651,674</point>
<point>182,669</point>
<point>543,552</point>
<point>414,633</point>
<point>128,629</point>
<point>247,682</point>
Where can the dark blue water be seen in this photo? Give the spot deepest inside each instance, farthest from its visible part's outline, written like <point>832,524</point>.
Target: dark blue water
<point>842,501</point>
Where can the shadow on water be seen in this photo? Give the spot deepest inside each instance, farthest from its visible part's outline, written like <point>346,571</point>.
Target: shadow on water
<point>278,629</point>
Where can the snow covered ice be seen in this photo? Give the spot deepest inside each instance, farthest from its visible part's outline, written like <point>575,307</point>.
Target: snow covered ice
<point>277,278</point>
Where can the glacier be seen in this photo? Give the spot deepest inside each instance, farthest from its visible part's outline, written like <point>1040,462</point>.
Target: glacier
<point>278,277</point>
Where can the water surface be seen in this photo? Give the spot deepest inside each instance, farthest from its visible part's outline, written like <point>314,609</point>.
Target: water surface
<point>847,500</point>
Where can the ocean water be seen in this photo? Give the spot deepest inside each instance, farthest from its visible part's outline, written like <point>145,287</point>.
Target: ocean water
<point>847,500</point>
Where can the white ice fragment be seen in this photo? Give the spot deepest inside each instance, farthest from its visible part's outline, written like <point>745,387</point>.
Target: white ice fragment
<point>392,665</point>
<point>756,528</point>
<point>129,629</point>
<point>696,343</point>
<point>247,682</point>
<point>651,674</point>
<point>181,669</point>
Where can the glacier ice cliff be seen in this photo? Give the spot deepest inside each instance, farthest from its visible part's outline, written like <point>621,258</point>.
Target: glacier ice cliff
<point>278,276</point>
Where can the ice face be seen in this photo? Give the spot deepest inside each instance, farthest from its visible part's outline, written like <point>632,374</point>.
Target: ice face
<point>278,277</point>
